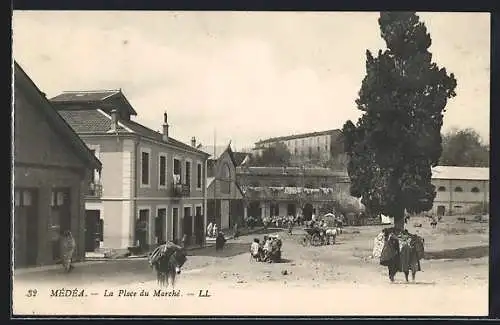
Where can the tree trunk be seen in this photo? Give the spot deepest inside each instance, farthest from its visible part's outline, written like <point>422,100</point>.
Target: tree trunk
<point>399,221</point>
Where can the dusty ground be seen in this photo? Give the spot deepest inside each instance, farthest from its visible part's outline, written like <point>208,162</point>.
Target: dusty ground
<point>328,280</point>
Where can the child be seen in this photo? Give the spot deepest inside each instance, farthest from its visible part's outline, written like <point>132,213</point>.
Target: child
<point>255,249</point>
<point>220,241</point>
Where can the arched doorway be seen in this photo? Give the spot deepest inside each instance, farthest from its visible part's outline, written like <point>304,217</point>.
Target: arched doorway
<point>307,211</point>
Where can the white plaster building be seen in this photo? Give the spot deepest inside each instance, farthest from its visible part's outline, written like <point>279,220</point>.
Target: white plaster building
<point>460,188</point>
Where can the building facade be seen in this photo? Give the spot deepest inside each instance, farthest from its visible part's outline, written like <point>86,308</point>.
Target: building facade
<point>283,191</point>
<point>314,147</point>
<point>152,187</point>
<point>224,197</point>
<point>52,173</point>
<point>460,189</point>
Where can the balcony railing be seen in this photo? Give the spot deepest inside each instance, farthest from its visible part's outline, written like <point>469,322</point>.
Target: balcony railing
<point>95,190</point>
<point>180,190</point>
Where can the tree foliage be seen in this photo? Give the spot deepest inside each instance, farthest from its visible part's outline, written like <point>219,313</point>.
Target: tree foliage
<point>397,140</point>
<point>464,148</point>
<point>276,155</point>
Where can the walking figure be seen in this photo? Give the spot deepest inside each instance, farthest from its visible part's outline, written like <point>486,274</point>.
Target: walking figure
<point>68,246</point>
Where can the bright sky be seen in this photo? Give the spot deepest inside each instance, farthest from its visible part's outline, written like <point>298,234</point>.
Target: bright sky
<point>247,75</point>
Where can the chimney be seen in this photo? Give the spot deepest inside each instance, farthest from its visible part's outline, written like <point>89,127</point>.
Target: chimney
<point>165,127</point>
<point>193,142</point>
<point>114,120</point>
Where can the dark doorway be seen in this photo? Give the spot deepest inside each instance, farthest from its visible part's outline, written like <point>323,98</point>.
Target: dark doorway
<point>441,210</point>
<point>61,205</point>
<point>59,219</point>
<point>188,222</point>
<point>26,227</point>
<point>198,226</point>
<point>291,209</point>
<point>211,211</point>
<point>161,226</point>
<point>141,230</point>
<point>308,211</point>
<point>175,224</point>
<point>254,209</point>
<point>236,211</point>
<point>275,209</point>
<point>93,231</point>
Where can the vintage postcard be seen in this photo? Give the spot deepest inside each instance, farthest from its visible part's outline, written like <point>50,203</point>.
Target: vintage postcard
<point>250,163</point>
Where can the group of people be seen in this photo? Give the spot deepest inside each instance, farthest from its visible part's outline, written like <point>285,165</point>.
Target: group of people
<point>269,250</point>
<point>277,221</point>
<point>400,251</point>
<point>212,230</point>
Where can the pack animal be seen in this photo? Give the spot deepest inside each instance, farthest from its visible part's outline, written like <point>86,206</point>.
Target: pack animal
<point>402,254</point>
<point>167,261</point>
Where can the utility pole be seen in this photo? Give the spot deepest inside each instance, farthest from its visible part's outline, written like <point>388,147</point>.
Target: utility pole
<point>215,182</point>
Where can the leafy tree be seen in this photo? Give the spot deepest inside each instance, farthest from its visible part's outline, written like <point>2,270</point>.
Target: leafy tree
<point>276,155</point>
<point>464,148</point>
<point>397,140</point>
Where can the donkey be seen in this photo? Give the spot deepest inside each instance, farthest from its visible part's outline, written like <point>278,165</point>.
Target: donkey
<point>167,260</point>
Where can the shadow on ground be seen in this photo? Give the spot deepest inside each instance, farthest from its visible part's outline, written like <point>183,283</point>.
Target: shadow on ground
<point>265,232</point>
<point>421,283</point>
<point>285,261</point>
<point>458,253</point>
<point>230,250</point>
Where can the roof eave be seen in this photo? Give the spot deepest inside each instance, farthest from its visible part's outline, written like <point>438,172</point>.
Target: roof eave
<point>75,139</point>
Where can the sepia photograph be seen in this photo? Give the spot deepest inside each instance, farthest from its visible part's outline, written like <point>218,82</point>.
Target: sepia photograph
<point>232,163</point>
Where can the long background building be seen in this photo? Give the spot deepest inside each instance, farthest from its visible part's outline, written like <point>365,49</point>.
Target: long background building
<point>283,191</point>
<point>314,148</point>
<point>460,190</point>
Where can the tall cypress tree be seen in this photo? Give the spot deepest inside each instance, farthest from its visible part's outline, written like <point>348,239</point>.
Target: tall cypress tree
<point>397,140</point>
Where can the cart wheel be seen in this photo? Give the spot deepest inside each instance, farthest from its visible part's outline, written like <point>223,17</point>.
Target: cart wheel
<point>305,242</point>
<point>316,240</point>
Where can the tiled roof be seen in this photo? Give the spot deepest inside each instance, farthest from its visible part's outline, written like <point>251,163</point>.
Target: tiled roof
<point>78,99</point>
<point>91,121</point>
<point>149,133</point>
<point>96,121</point>
<point>289,171</point>
<point>299,136</point>
<point>463,173</point>
<point>85,96</point>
